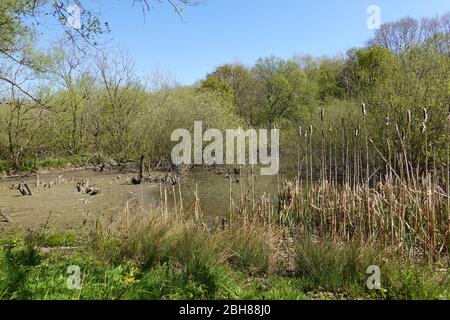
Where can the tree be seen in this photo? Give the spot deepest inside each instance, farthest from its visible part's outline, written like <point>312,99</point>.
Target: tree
<point>19,18</point>
<point>326,73</point>
<point>283,91</point>
<point>407,33</point>
<point>120,102</point>
<point>22,120</point>
<point>367,67</point>
<point>237,82</point>
<point>76,84</point>
<point>398,87</point>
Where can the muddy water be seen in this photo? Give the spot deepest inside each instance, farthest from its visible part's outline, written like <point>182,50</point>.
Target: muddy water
<point>213,189</point>
<point>62,207</point>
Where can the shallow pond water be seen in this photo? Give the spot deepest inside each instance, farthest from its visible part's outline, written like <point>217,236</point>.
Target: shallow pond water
<point>62,207</point>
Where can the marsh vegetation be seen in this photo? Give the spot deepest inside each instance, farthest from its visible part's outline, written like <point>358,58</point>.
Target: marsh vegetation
<point>364,176</point>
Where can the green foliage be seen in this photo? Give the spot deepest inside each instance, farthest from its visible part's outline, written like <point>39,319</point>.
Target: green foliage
<point>12,13</point>
<point>370,67</point>
<point>333,267</point>
<point>323,271</point>
<point>214,84</point>
<point>115,117</point>
<point>248,248</point>
<point>283,91</point>
<point>326,74</point>
<point>165,112</point>
<point>237,82</point>
<point>391,85</point>
<point>55,240</point>
<point>17,258</point>
<point>5,166</point>
<point>411,282</point>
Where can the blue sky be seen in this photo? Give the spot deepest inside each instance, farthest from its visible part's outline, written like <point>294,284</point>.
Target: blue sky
<point>221,31</point>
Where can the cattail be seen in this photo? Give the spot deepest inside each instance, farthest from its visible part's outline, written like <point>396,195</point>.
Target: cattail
<point>424,127</point>
<point>448,117</point>
<point>363,109</point>
<point>343,122</point>
<point>409,116</point>
<point>425,115</point>
<point>322,114</point>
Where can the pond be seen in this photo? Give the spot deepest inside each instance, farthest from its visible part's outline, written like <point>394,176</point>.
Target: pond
<point>61,206</point>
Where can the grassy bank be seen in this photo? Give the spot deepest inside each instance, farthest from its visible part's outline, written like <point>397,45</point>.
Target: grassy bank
<point>36,165</point>
<point>161,257</point>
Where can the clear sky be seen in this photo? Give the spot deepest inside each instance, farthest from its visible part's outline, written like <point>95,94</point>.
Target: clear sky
<point>221,31</point>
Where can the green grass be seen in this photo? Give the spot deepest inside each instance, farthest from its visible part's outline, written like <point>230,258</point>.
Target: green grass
<point>52,163</point>
<point>332,267</point>
<point>164,259</point>
<point>5,166</point>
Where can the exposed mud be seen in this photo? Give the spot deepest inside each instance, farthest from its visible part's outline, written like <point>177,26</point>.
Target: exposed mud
<point>56,202</point>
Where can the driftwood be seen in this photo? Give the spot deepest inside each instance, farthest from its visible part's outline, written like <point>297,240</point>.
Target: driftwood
<point>23,188</point>
<point>47,185</point>
<point>85,188</point>
<point>169,178</point>
<point>232,174</point>
<point>136,181</point>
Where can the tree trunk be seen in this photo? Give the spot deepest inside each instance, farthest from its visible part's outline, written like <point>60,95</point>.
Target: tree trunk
<point>141,168</point>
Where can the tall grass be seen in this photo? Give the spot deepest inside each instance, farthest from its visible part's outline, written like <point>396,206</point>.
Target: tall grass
<point>168,256</point>
<point>403,208</point>
<point>153,239</point>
